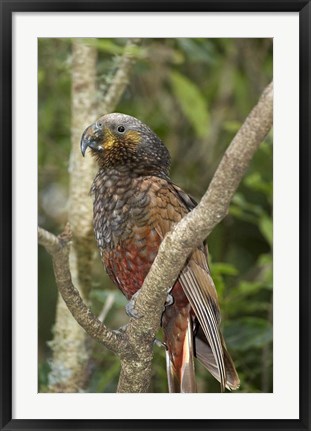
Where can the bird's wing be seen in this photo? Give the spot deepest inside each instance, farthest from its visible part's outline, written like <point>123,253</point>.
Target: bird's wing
<point>201,293</point>
<point>186,199</point>
<point>172,204</point>
<point>205,355</point>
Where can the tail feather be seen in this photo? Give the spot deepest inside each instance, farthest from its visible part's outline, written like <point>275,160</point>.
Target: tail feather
<point>205,355</point>
<point>172,375</point>
<point>193,281</point>
<point>180,369</point>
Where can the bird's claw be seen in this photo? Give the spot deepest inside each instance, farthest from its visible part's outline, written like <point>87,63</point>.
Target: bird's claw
<point>169,300</point>
<point>159,343</point>
<point>130,307</point>
<point>121,330</point>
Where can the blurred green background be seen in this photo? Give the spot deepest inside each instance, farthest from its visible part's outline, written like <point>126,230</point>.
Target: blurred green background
<point>195,94</point>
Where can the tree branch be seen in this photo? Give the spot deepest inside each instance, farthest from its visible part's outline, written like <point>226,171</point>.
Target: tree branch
<point>58,247</point>
<point>69,370</point>
<point>189,232</point>
<point>135,345</point>
<point>70,354</point>
<point>121,78</point>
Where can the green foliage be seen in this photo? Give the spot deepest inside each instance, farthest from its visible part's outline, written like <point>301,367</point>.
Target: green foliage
<point>192,103</point>
<point>116,47</point>
<point>43,375</point>
<point>195,93</point>
<point>248,333</point>
<point>105,376</point>
<point>101,296</point>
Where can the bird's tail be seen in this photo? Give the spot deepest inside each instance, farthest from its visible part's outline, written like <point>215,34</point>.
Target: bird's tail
<point>184,343</point>
<point>178,336</point>
<point>205,355</point>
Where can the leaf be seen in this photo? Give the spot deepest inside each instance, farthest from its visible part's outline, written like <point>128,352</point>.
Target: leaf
<point>247,333</point>
<point>244,210</point>
<point>231,126</point>
<point>241,201</point>
<point>192,103</point>
<point>266,265</point>
<point>110,47</point>
<point>197,51</point>
<point>220,285</point>
<point>255,182</point>
<point>266,228</point>
<point>224,268</point>
<point>249,287</point>
<point>108,377</point>
<point>43,375</point>
<point>106,45</point>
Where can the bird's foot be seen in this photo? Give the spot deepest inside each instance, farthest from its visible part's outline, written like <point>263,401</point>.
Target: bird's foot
<point>130,307</point>
<point>169,300</point>
<point>160,343</point>
<point>121,330</point>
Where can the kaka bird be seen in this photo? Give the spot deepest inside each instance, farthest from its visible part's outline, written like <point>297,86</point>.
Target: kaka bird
<point>135,205</point>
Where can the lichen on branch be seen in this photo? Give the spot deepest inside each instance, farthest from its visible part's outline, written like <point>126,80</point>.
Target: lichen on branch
<point>59,247</point>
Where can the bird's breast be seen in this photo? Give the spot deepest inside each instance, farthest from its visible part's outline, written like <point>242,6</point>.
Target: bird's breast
<point>129,262</point>
<point>131,216</point>
<point>120,205</point>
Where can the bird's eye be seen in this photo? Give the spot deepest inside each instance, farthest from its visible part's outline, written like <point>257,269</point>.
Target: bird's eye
<point>99,124</point>
<point>121,129</point>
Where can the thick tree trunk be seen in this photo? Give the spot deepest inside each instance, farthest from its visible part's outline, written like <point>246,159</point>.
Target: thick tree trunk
<point>70,355</point>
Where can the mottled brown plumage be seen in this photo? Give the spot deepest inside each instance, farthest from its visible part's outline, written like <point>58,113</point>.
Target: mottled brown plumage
<point>135,205</point>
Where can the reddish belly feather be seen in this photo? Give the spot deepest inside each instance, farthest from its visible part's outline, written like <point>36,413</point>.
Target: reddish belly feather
<point>129,263</point>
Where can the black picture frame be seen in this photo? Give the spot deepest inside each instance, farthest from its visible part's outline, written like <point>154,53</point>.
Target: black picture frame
<point>7,9</point>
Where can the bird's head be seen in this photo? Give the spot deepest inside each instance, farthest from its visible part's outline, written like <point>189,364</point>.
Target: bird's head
<point>121,140</point>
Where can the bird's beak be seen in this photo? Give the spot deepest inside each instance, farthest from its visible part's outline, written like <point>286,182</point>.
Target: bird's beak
<point>91,138</point>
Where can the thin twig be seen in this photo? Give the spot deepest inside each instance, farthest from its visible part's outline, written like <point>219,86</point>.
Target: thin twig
<point>121,77</point>
<point>107,307</point>
<point>48,240</point>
